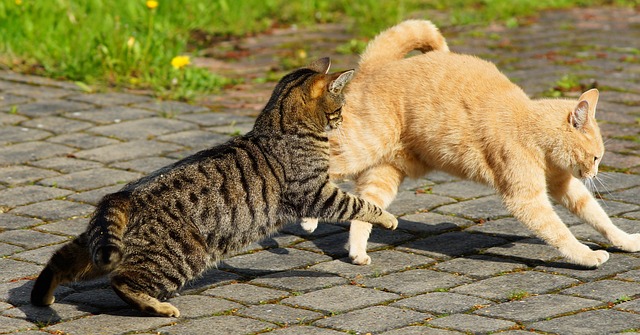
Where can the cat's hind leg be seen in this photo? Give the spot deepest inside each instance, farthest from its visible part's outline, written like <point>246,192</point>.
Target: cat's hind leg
<point>127,291</point>
<point>70,263</point>
<point>572,194</point>
<point>378,185</point>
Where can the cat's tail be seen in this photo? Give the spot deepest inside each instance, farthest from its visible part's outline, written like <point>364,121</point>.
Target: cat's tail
<point>394,43</point>
<point>106,230</point>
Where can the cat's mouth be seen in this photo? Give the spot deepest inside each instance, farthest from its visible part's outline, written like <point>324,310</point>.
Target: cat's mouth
<point>334,119</point>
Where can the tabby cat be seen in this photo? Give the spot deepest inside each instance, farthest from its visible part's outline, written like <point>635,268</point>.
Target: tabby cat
<point>457,113</point>
<point>168,227</point>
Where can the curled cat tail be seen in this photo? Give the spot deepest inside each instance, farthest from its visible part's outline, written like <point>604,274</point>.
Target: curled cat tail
<point>107,228</point>
<point>394,43</point>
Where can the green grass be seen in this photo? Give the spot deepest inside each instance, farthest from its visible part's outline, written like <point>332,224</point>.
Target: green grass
<point>125,44</point>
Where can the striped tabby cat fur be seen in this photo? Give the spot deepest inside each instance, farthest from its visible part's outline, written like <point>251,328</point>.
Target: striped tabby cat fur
<point>158,232</point>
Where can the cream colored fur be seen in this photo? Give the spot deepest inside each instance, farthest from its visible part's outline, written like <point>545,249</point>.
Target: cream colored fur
<point>457,113</point>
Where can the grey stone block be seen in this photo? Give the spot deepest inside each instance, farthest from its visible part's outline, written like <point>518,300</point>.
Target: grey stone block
<point>631,195</point>
<point>465,189</point>
<point>54,210</point>
<point>30,151</point>
<point>111,324</point>
<point>103,299</point>
<point>66,164</point>
<point>633,275</point>
<point>306,330</point>
<point>11,269</point>
<point>246,293</point>
<point>280,314</point>
<point>144,165</point>
<point>94,196</point>
<point>91,179</point>
<point>591,322</point>
<point>110,114</point>
<point>8,99</point>
<point>40,255</point>
<point>340,299</point>
<point>416,281</point>
<point>51,107</point>
<point>110,98</point>
<point>10,119</point>
<point>9,249</point>
<point>196,139</point>
<point>171,107</point>
<point>11,325</point>
<point>218,119</point>
<point>71,227</point>
<point>17,291</point>
<point>373,319</point>
<point>300,280</point>
<point>335,245</point>
<point>18,196</point>
<point>10,134</point>
<point>57,125</point>
<point>196,306</point>
<point>537,308</point>
<point>272,260</point>
<point>605,290</point>
<point>526,250</point>
<point>82,140</point>
<point>479,266</point>
<point>503,287</point>
<point>29,238</point>
<point>472,323</point>
<point>10,221</point>
<point>228,325</point>
<point>486,208</point>
<point>443,303</point>
<point>46,316</point>
<point>616,263</point>
<point>421,330</point>
<point>232,129</point>
<point>452,244</point>
<point>431,223</point>
<point>210,278</point>
<point>409,202</point>
<point>507,228</point>
<point>127,151</point>
<point>383,262</point>
<point>16,175</point>
<point>142,129</point>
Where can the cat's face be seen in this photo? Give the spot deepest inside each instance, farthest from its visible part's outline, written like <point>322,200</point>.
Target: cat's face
<point>588,146</point>
<point>324,95</point>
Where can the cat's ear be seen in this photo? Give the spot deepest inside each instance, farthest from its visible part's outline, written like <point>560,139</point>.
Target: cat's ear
<point>339,83</point>
<point>578,118</point>
<point>321,65</point>
<point>591,96</point>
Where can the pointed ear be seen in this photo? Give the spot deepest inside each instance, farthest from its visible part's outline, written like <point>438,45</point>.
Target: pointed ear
<point>321,65</point>
<point>339,83</point>
<point>578,118</point>
<point>591,96</point>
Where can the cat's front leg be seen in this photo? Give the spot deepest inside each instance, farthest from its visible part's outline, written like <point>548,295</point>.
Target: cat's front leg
<point>572,194</point>
<point>535,211</point>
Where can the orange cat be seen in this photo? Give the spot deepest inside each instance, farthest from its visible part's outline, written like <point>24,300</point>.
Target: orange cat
<point>459,114</point>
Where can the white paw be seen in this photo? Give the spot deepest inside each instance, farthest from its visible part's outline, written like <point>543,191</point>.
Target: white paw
<point>592,258</point>
<point>362,259</point>
<point>389,221</point>
<point>309,224</point>
<point>167,309</point>
<point>630,243</point>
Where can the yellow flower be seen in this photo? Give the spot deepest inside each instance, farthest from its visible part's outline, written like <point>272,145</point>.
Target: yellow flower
<point>152,4</point>
<point>179,62</point>
<point>18,2</point>
<point>131,42</point>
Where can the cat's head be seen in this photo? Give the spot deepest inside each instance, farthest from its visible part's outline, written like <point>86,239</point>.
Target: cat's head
<point>587,145</point>
<point>309,97</point>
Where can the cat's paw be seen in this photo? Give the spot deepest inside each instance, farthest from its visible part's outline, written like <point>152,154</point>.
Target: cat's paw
<point>389,221</point>
<point>361,259</point>
<point>592,258</point>
<point>630,243</point>
<point>166,309</point>
<point>309,224</point>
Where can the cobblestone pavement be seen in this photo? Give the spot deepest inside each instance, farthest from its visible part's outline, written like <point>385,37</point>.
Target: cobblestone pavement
<point>458,263</point>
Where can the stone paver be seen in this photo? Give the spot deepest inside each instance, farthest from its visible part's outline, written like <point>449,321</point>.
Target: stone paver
<point>458,262</point>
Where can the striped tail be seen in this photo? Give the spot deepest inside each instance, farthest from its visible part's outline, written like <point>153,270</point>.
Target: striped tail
<point>394,43</point>
<point>106,230</point>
